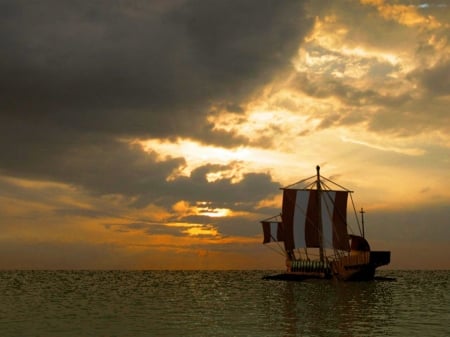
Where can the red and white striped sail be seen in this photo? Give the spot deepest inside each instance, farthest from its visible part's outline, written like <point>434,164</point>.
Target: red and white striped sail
<point>301,219</point>
<point>273,231</point>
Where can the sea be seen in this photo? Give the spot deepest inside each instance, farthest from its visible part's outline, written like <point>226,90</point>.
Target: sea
<point>221,303</point>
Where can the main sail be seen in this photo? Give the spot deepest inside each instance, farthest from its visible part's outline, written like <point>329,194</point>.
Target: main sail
<point>308,224</point>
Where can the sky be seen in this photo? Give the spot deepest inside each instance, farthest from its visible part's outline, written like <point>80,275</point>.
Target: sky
<point>156,134</point>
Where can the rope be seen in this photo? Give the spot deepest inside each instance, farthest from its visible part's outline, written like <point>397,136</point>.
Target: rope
<point>280,250</point>
<point>299,182</point>
<point>356,215</point>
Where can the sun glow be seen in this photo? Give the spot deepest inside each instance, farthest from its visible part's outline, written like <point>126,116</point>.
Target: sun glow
<point>203,208</point>
<point>214,212</point>
<point>197,155</point>
<point>201,231</point>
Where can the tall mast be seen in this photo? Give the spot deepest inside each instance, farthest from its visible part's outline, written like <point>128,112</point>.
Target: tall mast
<point>319,215</point>
<point>362,221</point>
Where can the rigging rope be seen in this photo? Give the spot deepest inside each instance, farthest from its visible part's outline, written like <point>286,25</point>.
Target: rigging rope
<point>300,182</point>
<point>280,249</point>
<point>356,216</point>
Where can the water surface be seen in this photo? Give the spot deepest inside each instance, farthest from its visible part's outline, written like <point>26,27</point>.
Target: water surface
<point>220,303</point>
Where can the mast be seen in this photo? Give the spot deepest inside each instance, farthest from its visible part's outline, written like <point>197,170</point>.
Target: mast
<point>362,221</point>
<point>319,215</point>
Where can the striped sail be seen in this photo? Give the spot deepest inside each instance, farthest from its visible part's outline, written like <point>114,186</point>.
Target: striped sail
<point>273,231</point>
<point>301,219</point>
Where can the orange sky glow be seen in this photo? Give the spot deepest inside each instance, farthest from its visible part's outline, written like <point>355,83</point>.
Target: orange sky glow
<point>179,166</point>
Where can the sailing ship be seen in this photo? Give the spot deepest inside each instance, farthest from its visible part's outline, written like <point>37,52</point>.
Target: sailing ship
<point>313,227</point>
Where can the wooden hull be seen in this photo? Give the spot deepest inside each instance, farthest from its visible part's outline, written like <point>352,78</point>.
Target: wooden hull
<point>357,267</point>
<point>295,276</point>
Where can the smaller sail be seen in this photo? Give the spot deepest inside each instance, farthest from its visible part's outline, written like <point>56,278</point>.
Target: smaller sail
<point>273,231</point>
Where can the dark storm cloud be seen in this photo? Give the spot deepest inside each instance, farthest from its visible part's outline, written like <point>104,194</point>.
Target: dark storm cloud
<point>222,193</point>
<point>151,71</point>
<point>77,76</point>
<point>97,164</point>
<point>114,167</point>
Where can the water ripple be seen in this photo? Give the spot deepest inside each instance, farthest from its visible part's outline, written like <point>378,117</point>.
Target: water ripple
<point>220,303</point>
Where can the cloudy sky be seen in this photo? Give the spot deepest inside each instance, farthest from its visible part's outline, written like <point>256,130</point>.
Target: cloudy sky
<point>156,134</point>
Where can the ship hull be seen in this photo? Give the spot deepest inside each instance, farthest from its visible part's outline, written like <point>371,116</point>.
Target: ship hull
<point>358,267</point>
<point>356,273</point>
<point>364,273</point>
<point>294,276</point>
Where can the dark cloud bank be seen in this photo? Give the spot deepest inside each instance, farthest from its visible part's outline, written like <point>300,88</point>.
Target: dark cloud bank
<point>76,77</point>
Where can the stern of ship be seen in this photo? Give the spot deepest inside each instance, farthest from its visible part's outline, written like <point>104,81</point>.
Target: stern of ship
<point>361,263</point>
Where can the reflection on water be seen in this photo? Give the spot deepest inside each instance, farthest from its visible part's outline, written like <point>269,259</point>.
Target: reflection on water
<point>327,308</point>
<point>223,303</point>
<point>415,304</point>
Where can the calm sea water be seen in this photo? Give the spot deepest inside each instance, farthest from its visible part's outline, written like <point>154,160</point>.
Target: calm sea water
<point>220,303</point>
